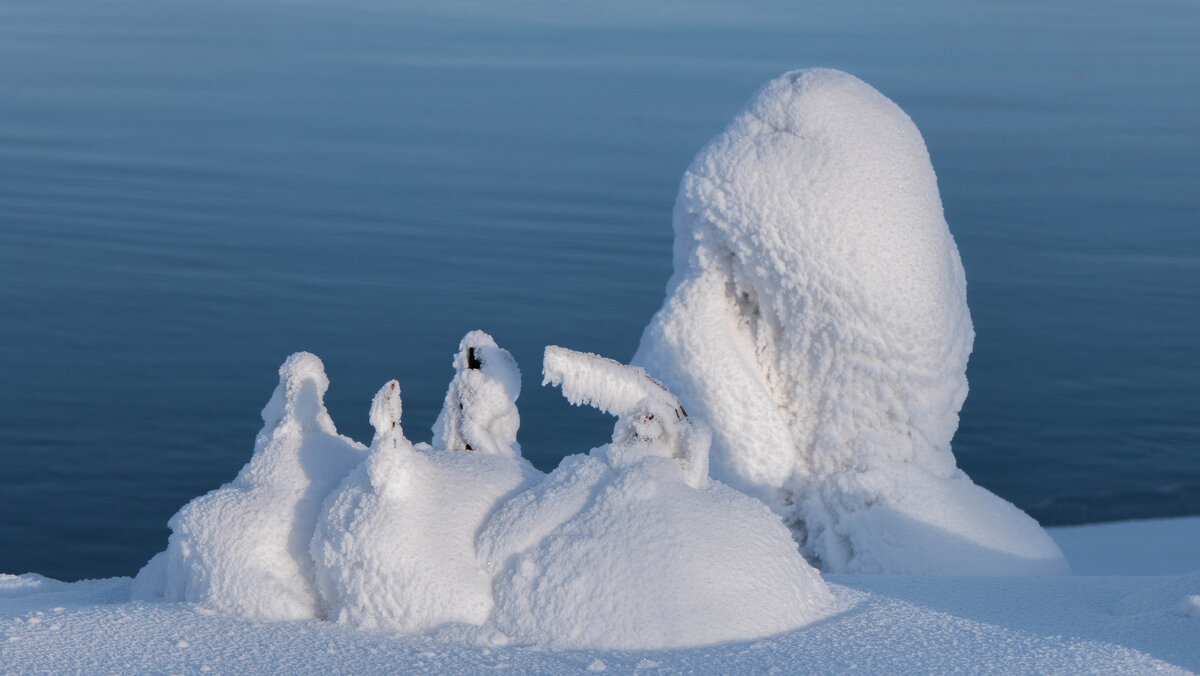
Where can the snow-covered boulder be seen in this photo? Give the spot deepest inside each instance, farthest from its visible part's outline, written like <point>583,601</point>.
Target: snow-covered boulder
<point>243,548</point>
<point>395,544</point>
<point>631,547</point>
<point>817,319</point>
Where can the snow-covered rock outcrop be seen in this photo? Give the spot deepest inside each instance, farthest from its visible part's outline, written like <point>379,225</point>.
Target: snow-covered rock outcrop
<point>817,320</point>
<point>243,548</point>
<point>633,546</point>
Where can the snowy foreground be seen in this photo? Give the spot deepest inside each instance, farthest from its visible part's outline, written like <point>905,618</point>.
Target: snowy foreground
<point>807,514</point>
<point>1108,620</point>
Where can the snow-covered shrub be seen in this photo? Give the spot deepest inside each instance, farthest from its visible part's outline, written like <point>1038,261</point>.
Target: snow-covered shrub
<point>633,546</point>
<point>243,548</point>
<point>480,412</point>
<point>395,544</point>
<point>817,319</point>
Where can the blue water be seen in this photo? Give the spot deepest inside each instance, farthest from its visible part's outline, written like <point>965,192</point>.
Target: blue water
<point>190,191</point>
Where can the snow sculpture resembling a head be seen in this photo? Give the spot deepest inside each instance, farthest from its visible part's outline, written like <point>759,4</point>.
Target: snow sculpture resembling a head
<point>243,548</point>
<point>633,546</point>
<point>480,412</point>
<point>817,319</point>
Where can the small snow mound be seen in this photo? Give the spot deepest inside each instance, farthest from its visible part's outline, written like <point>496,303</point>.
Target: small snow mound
<point>817,319</point>
<point>623,549</point>
<point>1189,606</point>
<point>385,412</point>
<point>480,412</point>
<point>243,548</point>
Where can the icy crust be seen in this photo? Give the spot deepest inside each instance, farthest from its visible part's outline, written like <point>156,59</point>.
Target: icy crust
<point>627,548</point>
<point>395,545</point>
<point>243,548</point>
<point>817,319</point>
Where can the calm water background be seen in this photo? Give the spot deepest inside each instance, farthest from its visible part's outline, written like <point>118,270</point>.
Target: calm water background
<point>190,191</point>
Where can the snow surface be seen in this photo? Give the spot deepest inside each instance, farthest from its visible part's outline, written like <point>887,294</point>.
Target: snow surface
<point>1162,547</point>
<point>885,625</point>
<point>817,320</point>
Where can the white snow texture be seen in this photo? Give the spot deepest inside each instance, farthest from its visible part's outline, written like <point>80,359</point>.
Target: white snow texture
<point>631,547</point>
<point>395,545</point>
<point>480,412</point>
<point>243,548</point>
<point>817,320</point>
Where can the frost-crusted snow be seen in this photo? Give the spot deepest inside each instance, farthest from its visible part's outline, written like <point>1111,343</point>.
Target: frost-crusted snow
<point>647,412</point>
<point>626,548</point>
<point>395,544</point>
<point>480,411</point>
<point>243,548</point>
<point>632,546</point>
<point>817,320</point>
<point>889,625</point>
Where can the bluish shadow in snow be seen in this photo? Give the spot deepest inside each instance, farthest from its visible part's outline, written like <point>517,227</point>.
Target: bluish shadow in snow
<point>1075,607</point>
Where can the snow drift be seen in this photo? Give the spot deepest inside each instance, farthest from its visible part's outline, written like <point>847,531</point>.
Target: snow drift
<point>817,319</point>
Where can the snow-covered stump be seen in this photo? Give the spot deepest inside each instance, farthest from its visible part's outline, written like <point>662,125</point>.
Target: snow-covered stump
<point>243,548</point>
<point>395,544</point>
<point>632,546</point>
<point>480,411</point>
<point>817,319</point>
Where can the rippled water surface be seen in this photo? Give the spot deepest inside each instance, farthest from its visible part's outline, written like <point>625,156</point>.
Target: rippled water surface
<point>190,191</point>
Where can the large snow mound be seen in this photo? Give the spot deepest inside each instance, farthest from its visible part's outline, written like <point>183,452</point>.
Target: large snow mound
<point>243,548</point>
<point>817,319</point>
<point>629,548</point>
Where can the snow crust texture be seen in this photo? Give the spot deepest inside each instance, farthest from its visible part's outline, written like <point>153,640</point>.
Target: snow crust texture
<point>631,546</point>
<point>817,320</point>
<point>628,547</point>
<point>395,544</point>
<point>894,625</point>
<point>480,412</point>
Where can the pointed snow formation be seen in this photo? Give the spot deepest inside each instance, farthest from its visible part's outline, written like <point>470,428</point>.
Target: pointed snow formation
<point>480,411</point>
<point>243,548</point>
